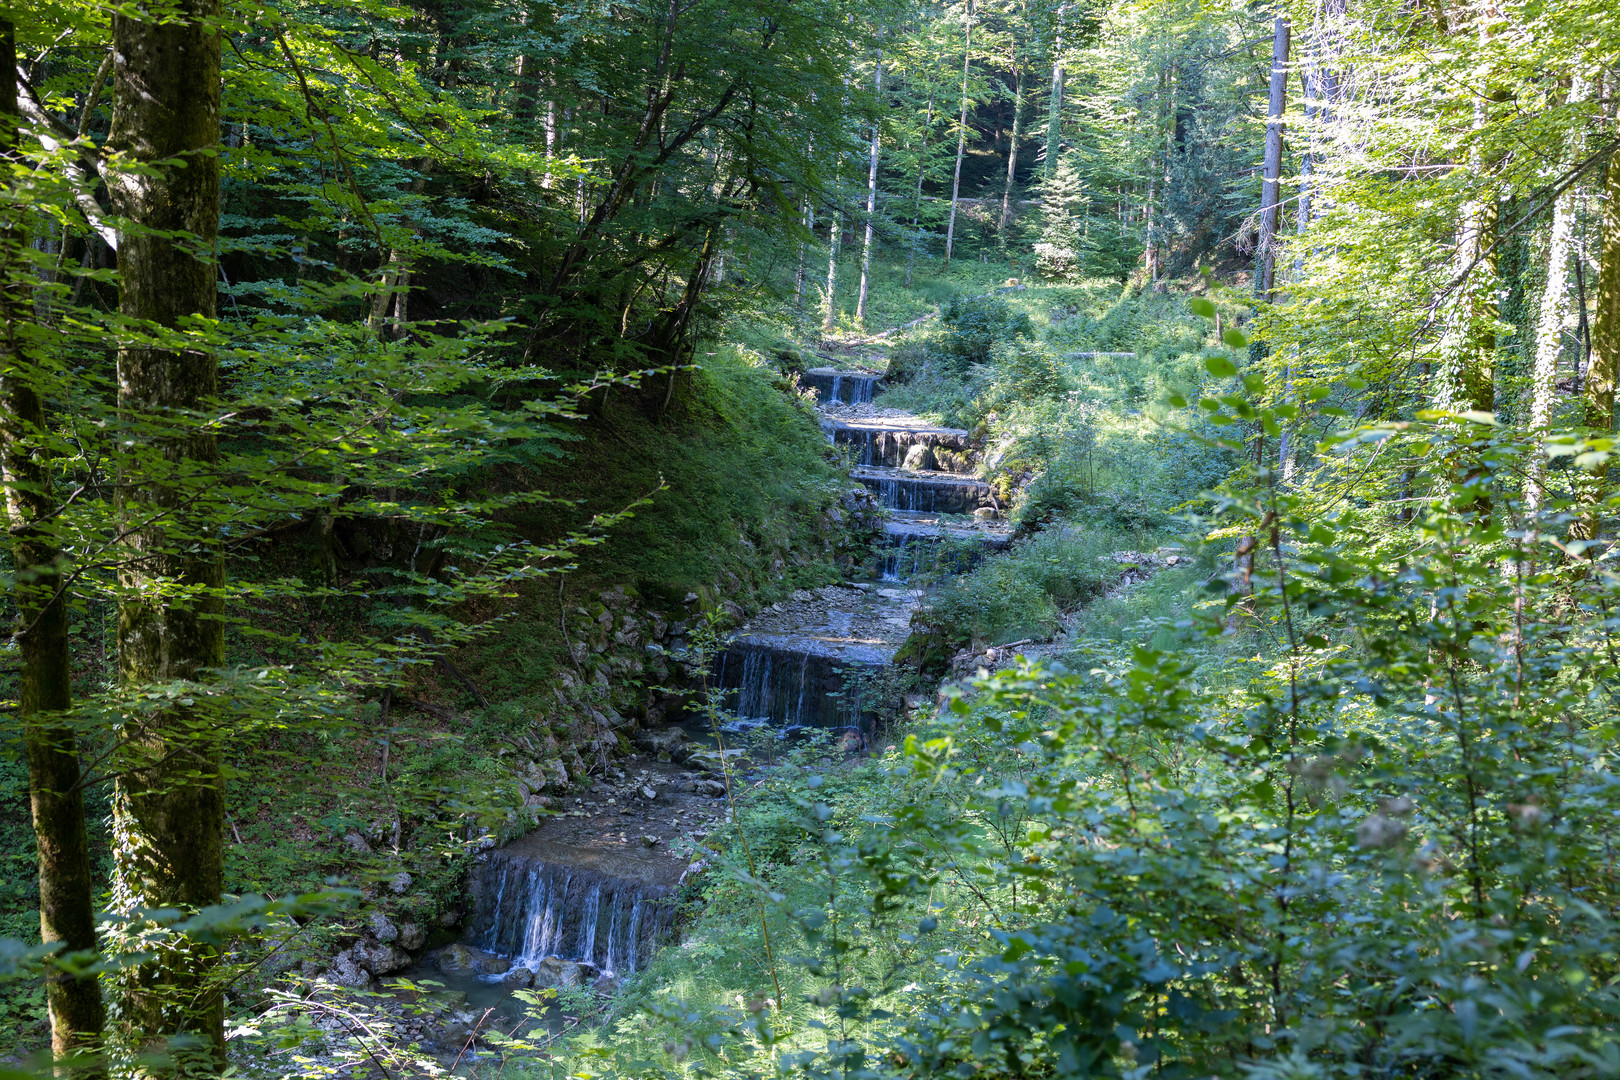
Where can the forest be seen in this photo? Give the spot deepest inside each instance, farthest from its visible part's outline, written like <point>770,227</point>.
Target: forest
<point>791,538</point>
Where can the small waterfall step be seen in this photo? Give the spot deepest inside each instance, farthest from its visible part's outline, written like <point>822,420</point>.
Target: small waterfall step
<point>934,493</point>
<point>843,387</point>
<point>592,888</point>
<point>914,543</point>
<point>884,442</point>
<point>535,900</point>
<point>790,664</point>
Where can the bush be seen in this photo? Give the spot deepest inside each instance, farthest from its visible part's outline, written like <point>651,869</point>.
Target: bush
<point>972,327</point>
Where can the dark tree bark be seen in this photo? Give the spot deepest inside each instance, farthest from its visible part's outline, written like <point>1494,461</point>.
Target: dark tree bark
<point>66,909</point>
<point>168,812</point>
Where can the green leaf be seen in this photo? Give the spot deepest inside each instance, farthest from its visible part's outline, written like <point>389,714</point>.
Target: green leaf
<point>1236,338</point>
<point>1201,307</point>
<point>1220,366</point>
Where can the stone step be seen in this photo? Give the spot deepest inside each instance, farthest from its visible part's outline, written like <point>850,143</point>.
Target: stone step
<point>884,443</point>
<point>935,493</point>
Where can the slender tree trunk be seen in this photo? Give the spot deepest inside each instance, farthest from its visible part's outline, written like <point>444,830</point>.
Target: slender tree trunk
<point>168,807</point>
<point>916,204</point>
<point>1550,327</point>
<point>1054,107</point>
<point>1271,184</point>
<point>1463,379</point>
<point>1012,146</point>
<point>961,137</point>
<point>804,252</point>
<point>835,245</point>
<point>1604,365</point>
<point>1151,250</point>
<point>871,202</point>
<point>66,908</point>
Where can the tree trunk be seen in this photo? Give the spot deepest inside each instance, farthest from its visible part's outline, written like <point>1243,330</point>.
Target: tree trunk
<point>804,251</point>
<point>871,203</point>
<point>1151,249</point>
<point>1604,365</point>
<point>1550,327</point>
<point>835,244</point>
<point>1054,108</point>
<point>1012,146</point>
<point>1463,378</point>
<point>916,205</point>
<point>66,908</point>
<point>1271,184</point>
<point>168,807</point>
<point>961,137</point>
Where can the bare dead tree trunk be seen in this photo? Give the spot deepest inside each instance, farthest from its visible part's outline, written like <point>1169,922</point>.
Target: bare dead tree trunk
<point>66,905</point>
<point>961,136</point>
<point>168,807</point>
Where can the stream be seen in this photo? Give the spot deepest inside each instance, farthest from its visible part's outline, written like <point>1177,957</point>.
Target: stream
<point>587,897</point>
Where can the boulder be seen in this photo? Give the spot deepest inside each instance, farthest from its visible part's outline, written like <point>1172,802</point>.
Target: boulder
<point>411,936</point>
<point>493,965</point>
<point>555,971</point>
<point>455,960</point>
<point>605,984</point>
<point>518,978</point>
<point>381,928</point>
<point>355,842</point>
<point>345,970</point>
<point>665,740</point>
<point>378,957</point>
<point>920,456</point>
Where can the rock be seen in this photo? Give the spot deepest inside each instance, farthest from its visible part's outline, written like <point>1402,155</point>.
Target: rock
<point>381,928</point>
<point>345,970</point>
<point>712,788</point>
<point>920,457</point>
<point>449,918</point>
<point>379,958</point>
<point>518,978</point>
<point>493,965</point>
<point>650,841</point>
<point>400,883</point>
<point>355,842</point>
<point>605,984</point>
<point>690,597</point>
<point>667,740</point>
<point>987,513</point>
<point>648,792</point>
<point>555,971</point>
<point>558,774</point>
<point>411,936</point>
<point>455,960</point>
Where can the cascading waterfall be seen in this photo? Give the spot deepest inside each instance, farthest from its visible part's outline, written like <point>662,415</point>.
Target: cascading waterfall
<point>529,909</point>
<point>794,683</point>
<point>843,387</point>
<point>926,494</point>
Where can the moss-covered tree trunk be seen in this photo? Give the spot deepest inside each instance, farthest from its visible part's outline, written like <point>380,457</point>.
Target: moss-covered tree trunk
<point>1604,365</point>
<point>168,807</point>
<point>66,911</point>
